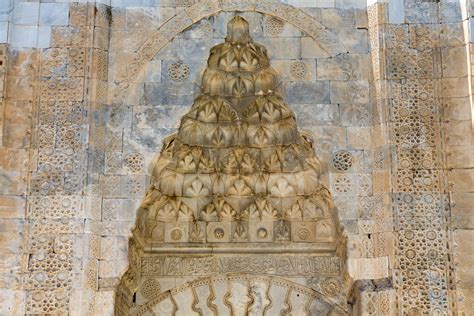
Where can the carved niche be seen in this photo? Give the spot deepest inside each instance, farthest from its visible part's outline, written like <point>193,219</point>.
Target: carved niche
<point>236,220</point>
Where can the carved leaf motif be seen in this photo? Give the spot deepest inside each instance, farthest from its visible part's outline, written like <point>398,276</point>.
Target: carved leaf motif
<point>270,113</point>
<point>240,188</point>
<point>282,232</point>
<point>248,164</point>
<point>229,61</point>
<point>187,163</point>
<point>268,212</point>
<point>189,129</point>
<point>261,136</point>
<point>230,163</point>
<point>196,233</point>
<point>251,212</point>
<point>274,162</point>
<point>218,137</point>
<point>167,212</point>
<point>171,183</point>
<point>312,209</point>
<point>295,212</point>
<point>197,189</point>
<point>282,188</point>
<point>240,231</point>
<point>227,213</point>
<point>185,213</point>
<point>209,214</point>
<point>227,113</point>
<point>248,61</point>
<point>206,164</point>
<point>208,113</point>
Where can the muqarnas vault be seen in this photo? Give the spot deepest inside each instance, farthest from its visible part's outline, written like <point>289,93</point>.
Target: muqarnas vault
<point>237,221</point>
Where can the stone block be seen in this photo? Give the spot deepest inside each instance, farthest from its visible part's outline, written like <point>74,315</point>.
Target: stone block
<point>119,19</point>
<point>140,18</point>
<point>311,49</point>
<point>347,209</point>
<point>456,109</point>
<point>170,51</point>
<point>340,17</point>
<point>10,242</point>
<point>23,36</point>
<point>13,159</point>
<point>165,116</point>
<point>128,41</point>
<point>459,133</point>
<point>463,180</point>
<point>24,62</point>
<point>307,92</point>
<point>153,71</point>
<point>103,301</point>
<point>177,71</point>
<point>344,67</point>
<point>135,3</point>
<point>351,92</point>
<point>354,40</point>
<point>316,114</point>
<point>396,13</point>
<point>12,302</point>
<point>4,31</point>
<point>274,27</point>
<point>462,212</point>
<point>368,268</point>
<point>454,61</point>
<point>461,156</point>
<point>355,114</point>
<point>359,137</point>
<point>12,206</point>
<point>450,11</point>
<point>25,13</point>
<point>201,29</point>
<point>328,138</point>
<point>44,36</point>
<point>465,277</point>
<point>421,12</point>
<point>195,49</point>
<point>291,45</point>
<point>167,94</point>
<point>149,139</point>
<point>452,34</point>
<point>295,70</point>
<point>357,4</point>
<point>17,124</point>
<point>54,14</point>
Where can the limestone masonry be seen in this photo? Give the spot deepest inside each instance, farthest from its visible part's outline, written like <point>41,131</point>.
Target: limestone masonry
<point>234,157</point>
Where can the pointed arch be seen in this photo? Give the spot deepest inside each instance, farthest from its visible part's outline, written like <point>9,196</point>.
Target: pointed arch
<point>328,41</point>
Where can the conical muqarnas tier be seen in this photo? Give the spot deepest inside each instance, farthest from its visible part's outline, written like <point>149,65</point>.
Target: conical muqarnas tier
<point>237,170</point>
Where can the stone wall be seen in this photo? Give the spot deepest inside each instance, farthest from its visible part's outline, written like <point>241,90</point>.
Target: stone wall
<point>89,91</point>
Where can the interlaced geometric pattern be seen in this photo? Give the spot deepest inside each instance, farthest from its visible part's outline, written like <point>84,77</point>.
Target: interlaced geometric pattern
<point>422,263</point>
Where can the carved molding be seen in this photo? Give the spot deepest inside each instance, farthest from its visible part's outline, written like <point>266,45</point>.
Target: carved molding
<point>241,294</point>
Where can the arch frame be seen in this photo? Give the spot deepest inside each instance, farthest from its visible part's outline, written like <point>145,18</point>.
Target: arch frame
<point>185,18</point>
<point>268,280</point>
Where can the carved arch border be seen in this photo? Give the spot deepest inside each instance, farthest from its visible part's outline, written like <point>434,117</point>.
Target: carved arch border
<point>328,41</point>
<point>245,278</point>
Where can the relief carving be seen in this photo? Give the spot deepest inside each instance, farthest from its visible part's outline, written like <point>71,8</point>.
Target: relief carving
<point>236,190</point>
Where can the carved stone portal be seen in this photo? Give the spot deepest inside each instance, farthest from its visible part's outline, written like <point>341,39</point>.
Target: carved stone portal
<point>236,221</point>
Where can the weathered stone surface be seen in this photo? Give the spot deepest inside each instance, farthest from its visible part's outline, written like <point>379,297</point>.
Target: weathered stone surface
<point>307,92</point>
<point>84,111</point>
